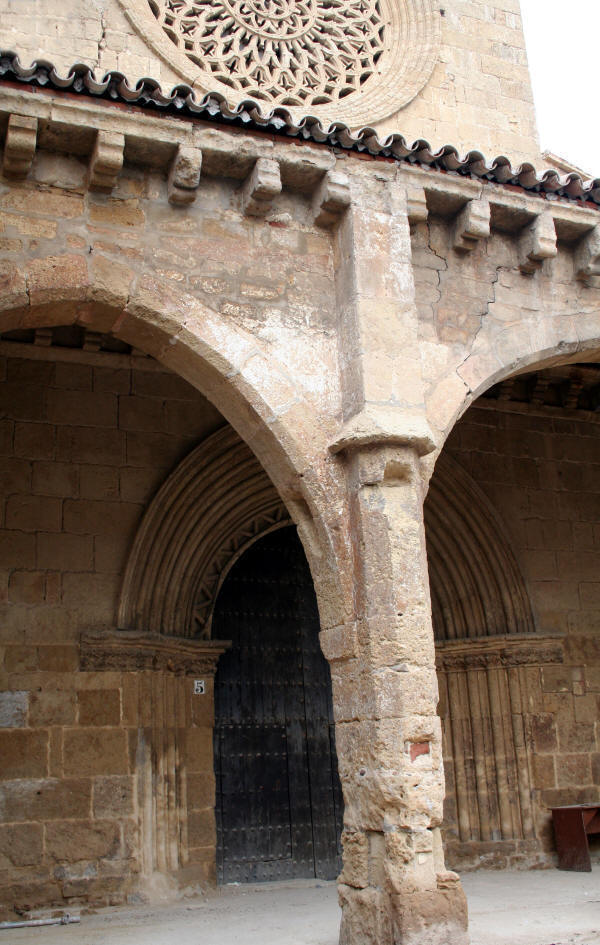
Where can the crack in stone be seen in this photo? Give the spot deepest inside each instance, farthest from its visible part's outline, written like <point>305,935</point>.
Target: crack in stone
<point>491,301</point>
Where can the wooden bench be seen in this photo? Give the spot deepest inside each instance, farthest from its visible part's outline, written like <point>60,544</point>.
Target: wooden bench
<point>572,825</point>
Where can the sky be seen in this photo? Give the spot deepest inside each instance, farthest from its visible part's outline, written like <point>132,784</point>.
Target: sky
<point>564,60</point>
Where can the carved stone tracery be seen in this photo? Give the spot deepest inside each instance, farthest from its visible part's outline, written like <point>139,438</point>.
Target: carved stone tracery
<point>285,52</point>
<point>356,61</point>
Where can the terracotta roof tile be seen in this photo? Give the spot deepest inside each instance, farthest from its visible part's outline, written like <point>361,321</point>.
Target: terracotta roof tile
<point>182,101</point>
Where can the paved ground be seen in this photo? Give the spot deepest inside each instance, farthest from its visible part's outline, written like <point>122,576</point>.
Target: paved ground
<point>537,908</point>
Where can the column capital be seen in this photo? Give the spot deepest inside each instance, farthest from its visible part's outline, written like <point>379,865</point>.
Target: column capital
<point>385,427</point>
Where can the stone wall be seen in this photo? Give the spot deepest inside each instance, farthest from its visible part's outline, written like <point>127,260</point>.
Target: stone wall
<point>539,467</point>
<point>86,440</point>
<point>281,279</point>
<point>478,97</point>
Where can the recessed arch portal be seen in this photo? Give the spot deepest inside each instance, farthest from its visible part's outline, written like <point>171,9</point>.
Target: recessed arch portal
<point>249,386</point>
<point>213,506</point>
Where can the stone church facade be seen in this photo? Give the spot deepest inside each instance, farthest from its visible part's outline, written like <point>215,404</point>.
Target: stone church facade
<point>300,446</point>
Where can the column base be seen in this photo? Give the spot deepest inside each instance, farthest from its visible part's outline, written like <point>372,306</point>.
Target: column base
<point>426,917</point>
<point>366,916</point>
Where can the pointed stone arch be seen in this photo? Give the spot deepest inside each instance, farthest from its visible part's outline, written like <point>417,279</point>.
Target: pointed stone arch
<point>477,588</point>
<point>215,504</point>
<point>255,393</point>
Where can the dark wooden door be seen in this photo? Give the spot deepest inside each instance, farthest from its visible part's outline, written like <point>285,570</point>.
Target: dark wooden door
<point>278,801</point>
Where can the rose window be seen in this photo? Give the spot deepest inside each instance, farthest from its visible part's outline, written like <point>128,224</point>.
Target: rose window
<point>285,52</point>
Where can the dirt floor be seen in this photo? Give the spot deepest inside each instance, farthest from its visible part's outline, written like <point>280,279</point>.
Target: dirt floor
<point>506,908</point>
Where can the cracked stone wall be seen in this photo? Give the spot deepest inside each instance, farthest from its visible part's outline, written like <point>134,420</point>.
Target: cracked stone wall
<point>342,346</point>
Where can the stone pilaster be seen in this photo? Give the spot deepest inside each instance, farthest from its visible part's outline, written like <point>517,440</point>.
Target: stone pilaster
<point>394,888</point>
<point>379,356</point>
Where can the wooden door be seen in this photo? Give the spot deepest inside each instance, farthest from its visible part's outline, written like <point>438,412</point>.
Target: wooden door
<point>278,800</point>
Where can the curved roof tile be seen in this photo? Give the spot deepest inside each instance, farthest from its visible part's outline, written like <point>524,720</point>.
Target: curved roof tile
<point>182,100</point>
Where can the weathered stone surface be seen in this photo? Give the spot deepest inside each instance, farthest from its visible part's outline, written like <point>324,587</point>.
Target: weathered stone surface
<point>13,709</point>
<point>342,338</point>
<point>69,841</point>
<point>113,798</point>
<point>201,828</point>
<point>99,707</point>
<point>201,791</point>
<point>20,845</point>
<point>45,799</point>
<point>52,708</point>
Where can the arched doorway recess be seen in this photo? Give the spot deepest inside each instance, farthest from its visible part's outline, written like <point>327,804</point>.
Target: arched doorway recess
<point>278,795</point>
<point>518,697</point>
<point>141,674</point>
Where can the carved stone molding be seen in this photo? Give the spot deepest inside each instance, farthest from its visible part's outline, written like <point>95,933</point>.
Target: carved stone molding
<point>477,588</point>
<point>216,503</point>
<point>507,650</point>
<point>128,651</point>
<point>357,61</point>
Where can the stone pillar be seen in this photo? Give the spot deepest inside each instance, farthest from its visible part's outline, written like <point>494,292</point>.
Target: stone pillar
<point>394,889</point>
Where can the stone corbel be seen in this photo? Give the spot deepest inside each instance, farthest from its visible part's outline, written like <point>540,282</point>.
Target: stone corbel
<point>106,161</point>
<point>19,147</point>
<point>416,204</point>
<point>331,199</point>
<point>129,651</point>
<point>261,188</point>
<point>537,243</point>
<point>587,255</point>
<point>184,176</point>
<point>472,224</point>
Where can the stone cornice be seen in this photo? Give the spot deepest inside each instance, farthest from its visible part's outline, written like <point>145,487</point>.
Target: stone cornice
<point>518,649</point>
<point>80,86</point>
<point>86,126</point>
<point>132,650</point>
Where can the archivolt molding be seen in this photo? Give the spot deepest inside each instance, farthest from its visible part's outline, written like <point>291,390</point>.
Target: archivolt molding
<point>477,589</point>
<point>207,512</point>
<point>219,500</point>
<point>356,61</point>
